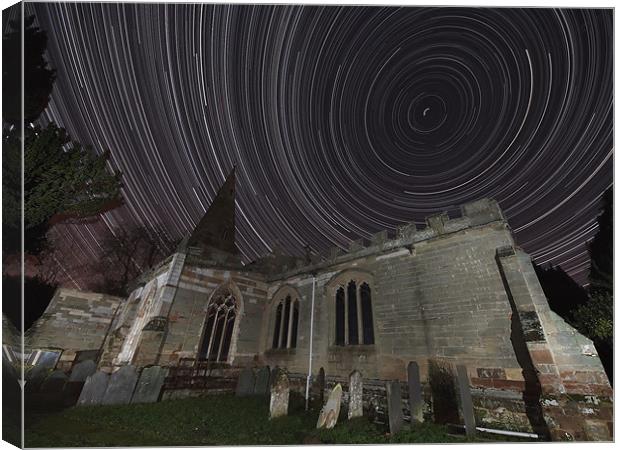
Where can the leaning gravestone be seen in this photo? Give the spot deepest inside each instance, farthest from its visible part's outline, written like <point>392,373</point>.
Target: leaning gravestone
<point>330,412</point>
<point>356,389</point>
<point>54,382</point>
<point>245,383</point>
<point>261,387</point>
<point>149,385</point>
<point>35,377</point>
<point>278,404</point>
<point>94,389</point>
<point>394,406</point>
<point>72,389</point>
<point>121,386</point>
<point>416,404</point>
<point>466,404</point>
<point>83,370</point>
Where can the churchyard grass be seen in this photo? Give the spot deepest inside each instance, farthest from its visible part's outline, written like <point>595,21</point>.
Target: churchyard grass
<point>213,420</point>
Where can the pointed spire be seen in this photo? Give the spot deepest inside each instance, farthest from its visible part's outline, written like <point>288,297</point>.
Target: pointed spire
<point>217,227</point>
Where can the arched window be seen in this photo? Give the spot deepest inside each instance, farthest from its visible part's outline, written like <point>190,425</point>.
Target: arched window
<point>219,325</point>
<point>353,307</point>
<point>286,323</point>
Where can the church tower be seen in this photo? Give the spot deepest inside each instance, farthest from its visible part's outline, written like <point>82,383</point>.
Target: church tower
<point>216,229</point>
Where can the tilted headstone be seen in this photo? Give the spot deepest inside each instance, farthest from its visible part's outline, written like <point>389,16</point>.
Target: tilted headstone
<point>94,389</point>
<point>416,403</point>
<point>394,406</point>
<point>149,385</point>
<point>261,387</point>
<point>356,389</point>
<point>466,404</point>
<point>35,377</point>
<point>278,404</point>
<point>330,412</point>
<point>83,370</point>
<point>121,386</point>
<point>245,383</point>
<point>54,382</point>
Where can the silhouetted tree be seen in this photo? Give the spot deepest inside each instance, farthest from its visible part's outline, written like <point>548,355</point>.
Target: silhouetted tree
<point>601,248</point>
<point>127,253</point>
<point>563,293</point>
<point>38,77</point>
<point>595,318</point>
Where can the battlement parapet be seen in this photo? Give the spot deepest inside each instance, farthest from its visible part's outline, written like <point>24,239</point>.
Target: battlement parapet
<point>472,214</point>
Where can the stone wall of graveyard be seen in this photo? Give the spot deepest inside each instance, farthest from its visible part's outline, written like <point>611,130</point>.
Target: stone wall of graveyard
<point>73,321</point>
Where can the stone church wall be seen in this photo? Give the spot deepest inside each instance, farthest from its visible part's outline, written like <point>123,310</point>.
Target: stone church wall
<point>74,321</point>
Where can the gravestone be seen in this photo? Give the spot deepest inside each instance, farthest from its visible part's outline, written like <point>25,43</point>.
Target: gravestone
<point>416,403</point>
<point>466,404</point>
<point>35,377</point>
<point>278,404</point>
<point>318,388</point>
<point>83,370</point>
<point>121,386</point>
<point>330,412</point>
<point>261,387</point>
<point>54,382</point>
<point>245,383</point>
<point>149,385</point>
<point>356,389</point>
<point>94,389</point>
<point>394,406</point>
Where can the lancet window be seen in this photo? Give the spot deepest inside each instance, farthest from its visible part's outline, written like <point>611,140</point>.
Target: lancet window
<point>286,323</point>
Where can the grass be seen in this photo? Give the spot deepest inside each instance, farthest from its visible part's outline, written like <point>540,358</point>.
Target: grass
<point>214,420</point>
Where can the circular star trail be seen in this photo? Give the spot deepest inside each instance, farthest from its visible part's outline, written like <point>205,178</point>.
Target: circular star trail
<point>342,121</point>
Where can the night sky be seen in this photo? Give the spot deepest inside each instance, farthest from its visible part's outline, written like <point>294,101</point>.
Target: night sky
<point>342,121</point>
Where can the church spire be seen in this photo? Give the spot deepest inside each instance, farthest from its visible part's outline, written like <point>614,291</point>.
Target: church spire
<point>216,229</point>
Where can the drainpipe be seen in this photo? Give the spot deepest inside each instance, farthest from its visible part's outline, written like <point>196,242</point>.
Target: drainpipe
<point>311,337</point>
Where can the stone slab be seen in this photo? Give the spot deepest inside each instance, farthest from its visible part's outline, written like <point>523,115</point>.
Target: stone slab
<point>416,402</point>
<point>466,403</point>
<point>278,404</point>
<point>394,405</point>
<point>149,385</point>
<point>94,389</point>
<point>356,390</point>
<point>330,412</point>
<point>121,386</point>
<point>245,383</point>
<point>83,370</point>
<point>261,387</point>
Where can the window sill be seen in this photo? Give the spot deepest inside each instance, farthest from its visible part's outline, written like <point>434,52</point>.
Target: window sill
<point>281,351</point>
<point>368,348</point>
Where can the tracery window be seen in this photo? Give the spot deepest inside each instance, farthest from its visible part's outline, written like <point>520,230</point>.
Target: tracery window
<point>219,326</point>
<point>354,321</point>
<point>286,323</point>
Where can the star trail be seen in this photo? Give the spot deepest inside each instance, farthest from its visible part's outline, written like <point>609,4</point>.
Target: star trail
<point>342,121</point>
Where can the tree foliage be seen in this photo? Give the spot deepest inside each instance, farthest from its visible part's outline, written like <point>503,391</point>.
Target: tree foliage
<point>62,180</point>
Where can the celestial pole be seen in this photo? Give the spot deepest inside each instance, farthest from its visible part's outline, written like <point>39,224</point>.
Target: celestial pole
<point>342,121</point>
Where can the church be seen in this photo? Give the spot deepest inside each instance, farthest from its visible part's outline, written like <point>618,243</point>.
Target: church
<point>458,291</point>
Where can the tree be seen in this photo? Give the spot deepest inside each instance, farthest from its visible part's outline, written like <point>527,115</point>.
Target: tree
<point>127,253</point>
<point>38,77</point>
<point>601,248</point>
<point>62,180</point>
<point>595,318</point>
<point>563,293</point>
